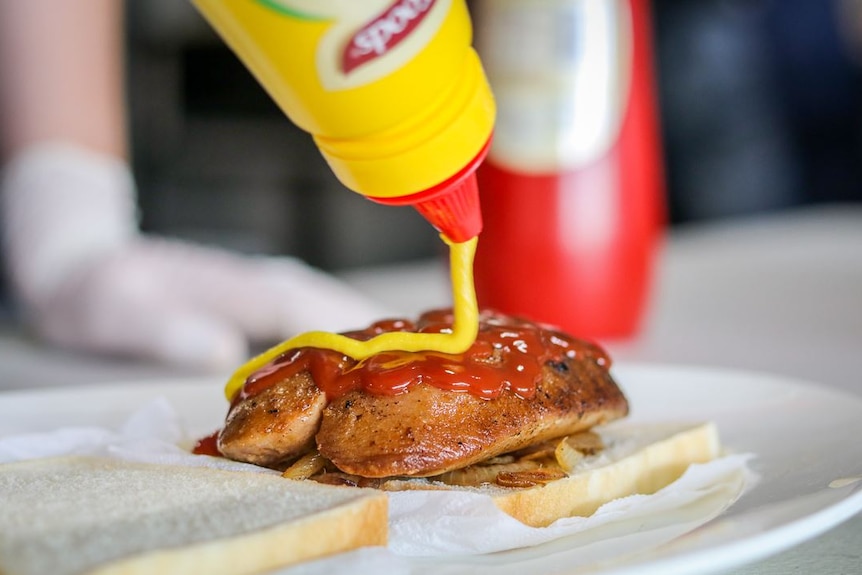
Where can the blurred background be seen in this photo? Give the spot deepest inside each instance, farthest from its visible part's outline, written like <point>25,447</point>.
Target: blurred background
<point>760,106</point>
<point>760,102</point>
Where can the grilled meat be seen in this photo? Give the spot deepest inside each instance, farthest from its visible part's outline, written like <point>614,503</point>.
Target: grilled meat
<point>429,431</point>
<point>276,425</point>
<point>519,384</point>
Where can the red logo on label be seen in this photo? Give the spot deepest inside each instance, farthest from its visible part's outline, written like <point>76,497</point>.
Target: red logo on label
<point>384,32</point>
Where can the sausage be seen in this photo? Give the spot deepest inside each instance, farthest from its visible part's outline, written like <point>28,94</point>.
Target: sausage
<point>429,431</point>
<point>520,383</point>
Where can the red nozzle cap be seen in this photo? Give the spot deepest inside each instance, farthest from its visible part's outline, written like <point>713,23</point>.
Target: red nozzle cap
<point>452,206</point>
<point>455,211</point>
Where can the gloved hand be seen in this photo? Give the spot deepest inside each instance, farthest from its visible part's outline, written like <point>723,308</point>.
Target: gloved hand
<point>88,280</point>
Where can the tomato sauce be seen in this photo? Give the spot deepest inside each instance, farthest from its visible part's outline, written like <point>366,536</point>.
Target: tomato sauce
<point>207,445</point>
<point>508,355</point>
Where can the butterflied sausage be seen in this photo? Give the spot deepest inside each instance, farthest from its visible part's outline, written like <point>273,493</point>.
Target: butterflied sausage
<point>429,431</point>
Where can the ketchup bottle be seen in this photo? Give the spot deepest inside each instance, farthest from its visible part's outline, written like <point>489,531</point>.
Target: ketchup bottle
<point>571,190</point>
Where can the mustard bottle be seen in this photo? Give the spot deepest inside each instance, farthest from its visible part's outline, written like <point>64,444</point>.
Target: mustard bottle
<point>391,91</point>
<point>398,104</point>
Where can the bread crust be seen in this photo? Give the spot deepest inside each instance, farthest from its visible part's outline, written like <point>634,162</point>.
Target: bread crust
<point>643,472</point>
<point>142,518</point>
<point>361,524</point>
<point>640,459</point>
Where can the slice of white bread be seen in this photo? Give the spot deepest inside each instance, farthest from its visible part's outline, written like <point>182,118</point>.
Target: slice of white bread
<point>81,515</point>
<point>636,459</point>
<point>108,517</point>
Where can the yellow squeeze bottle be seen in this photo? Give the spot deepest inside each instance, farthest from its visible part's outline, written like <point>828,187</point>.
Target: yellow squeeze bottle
<point>398,104</point>
<point>392,92</point>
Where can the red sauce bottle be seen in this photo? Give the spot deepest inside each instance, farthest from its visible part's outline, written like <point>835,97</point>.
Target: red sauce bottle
<point>572,193</point>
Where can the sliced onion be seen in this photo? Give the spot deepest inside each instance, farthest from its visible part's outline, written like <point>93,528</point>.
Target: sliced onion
<point>305,466</point>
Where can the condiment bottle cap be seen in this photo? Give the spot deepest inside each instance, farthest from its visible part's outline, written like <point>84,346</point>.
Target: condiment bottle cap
<point>452,206</point>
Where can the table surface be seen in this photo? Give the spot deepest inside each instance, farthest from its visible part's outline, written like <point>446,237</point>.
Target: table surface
<point>779,293</point>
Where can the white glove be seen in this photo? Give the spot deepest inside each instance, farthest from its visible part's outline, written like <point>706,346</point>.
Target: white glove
<point>90,281</point>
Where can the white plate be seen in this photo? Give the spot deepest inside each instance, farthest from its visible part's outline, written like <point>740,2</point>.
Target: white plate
<point>806,439</point>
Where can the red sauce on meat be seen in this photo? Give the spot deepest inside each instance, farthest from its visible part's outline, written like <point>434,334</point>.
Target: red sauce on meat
<point>508,355</point>
<point>207,445</point>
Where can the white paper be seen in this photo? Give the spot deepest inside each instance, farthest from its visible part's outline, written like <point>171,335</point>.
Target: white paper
<point>153,434</point>
<point>430,528</point>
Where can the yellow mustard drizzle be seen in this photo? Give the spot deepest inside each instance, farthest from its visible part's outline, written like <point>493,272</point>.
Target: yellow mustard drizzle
<point>464,329</point>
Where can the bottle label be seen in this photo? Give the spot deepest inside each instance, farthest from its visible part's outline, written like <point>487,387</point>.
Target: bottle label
<point>562,87</point>
<point>369,39</point>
